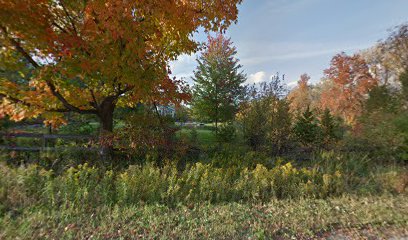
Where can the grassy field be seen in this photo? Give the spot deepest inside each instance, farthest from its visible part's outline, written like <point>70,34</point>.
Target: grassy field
<point>204,136</point>
<point>352,217</point>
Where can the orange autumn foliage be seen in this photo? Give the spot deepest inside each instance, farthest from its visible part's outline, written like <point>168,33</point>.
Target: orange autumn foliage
<point>91,56</point>
<point>349,83</point>
<point>300,97</point>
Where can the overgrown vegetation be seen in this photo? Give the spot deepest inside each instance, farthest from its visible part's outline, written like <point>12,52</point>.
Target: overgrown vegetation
<point>222,159</point>
<point>86,200</point>
<point>86,186</point>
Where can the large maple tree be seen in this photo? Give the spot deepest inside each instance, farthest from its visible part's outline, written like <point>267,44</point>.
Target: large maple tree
<point>350,83</point>
<point>90,56</point>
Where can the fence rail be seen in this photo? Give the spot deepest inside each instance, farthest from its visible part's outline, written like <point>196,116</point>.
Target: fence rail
<point>46,136</point>
<point>38,149</point>
<point>45,141</point>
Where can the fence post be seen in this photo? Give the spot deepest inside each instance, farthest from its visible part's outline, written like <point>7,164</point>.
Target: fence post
<point>43,142</point>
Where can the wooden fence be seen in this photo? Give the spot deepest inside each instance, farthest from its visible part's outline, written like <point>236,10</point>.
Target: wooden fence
<point>46,141</point>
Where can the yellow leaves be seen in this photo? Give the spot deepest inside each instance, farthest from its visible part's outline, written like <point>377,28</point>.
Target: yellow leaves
<point>18,116</point>
<point>15,111</point>
<point>55,122</point>
<point>300,97</point>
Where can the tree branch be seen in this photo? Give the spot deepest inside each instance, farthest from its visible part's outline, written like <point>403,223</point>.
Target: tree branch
<point>52,87</point>
<point>94,98</point>
<point>69,17</point>
<point>59,27</point>
<point>65,102</point>
<point>64,110</point>
<point>19,48</point>
<point>126,89</point>
<point>15,100</point>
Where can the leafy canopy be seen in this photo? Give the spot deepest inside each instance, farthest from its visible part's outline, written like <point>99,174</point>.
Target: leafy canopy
<point>89,56</point>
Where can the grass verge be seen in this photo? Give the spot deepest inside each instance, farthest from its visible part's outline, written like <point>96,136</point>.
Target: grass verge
<point>352,216</point>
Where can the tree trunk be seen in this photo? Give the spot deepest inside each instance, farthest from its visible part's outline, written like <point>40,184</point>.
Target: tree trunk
<point>105,115</point>
<point>216,127</point>
<point>106,119</point>
<point>216,111</point>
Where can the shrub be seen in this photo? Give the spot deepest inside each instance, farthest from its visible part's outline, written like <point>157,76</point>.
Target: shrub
<point>266,123</point>
<point>147,132</point>
<point>234,156</point>
<point>307,129</point>
<point>226,133</point>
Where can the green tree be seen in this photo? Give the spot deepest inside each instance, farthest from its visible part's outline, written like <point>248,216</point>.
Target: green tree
<point>404,85</point>
<point>329,128</point>
<point>402,120</point>
<point>384,125</point>
<point>307,129</point>
<point>253,119</point>
<point>218,82</point>
<point>265,118</point>
<point>279,124</point>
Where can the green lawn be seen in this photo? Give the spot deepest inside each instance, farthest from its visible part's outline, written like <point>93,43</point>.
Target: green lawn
<point>204,136</point>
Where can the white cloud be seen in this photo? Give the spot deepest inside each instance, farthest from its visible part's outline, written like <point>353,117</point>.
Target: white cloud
<point>292,84</point>
<point>256,77</point>
<point>185,63</point>
<point>183,67</point>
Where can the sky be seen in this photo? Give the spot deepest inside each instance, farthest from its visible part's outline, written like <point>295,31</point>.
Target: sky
<point>293,37</point>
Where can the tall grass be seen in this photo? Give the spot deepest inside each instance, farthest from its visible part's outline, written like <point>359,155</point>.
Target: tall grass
<point>87,186</point>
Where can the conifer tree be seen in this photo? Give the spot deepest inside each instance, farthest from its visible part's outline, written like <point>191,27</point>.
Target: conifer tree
<point>307,129</point>
<point>329,127</point>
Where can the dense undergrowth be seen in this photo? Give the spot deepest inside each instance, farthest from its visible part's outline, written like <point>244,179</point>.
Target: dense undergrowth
<point>228,196</point>
<point>87,186</point>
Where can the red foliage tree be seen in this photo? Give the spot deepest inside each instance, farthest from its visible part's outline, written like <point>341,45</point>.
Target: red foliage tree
<point>350,83</point>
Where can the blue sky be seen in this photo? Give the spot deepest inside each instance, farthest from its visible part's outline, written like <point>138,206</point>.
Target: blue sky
<point>300,36</point>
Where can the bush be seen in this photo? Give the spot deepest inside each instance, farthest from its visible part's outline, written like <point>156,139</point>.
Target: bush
<point>266,124</point>
<point>146,132</point>
<point>226,133</point>
<point>231,155</point>
<point>307,129</point>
